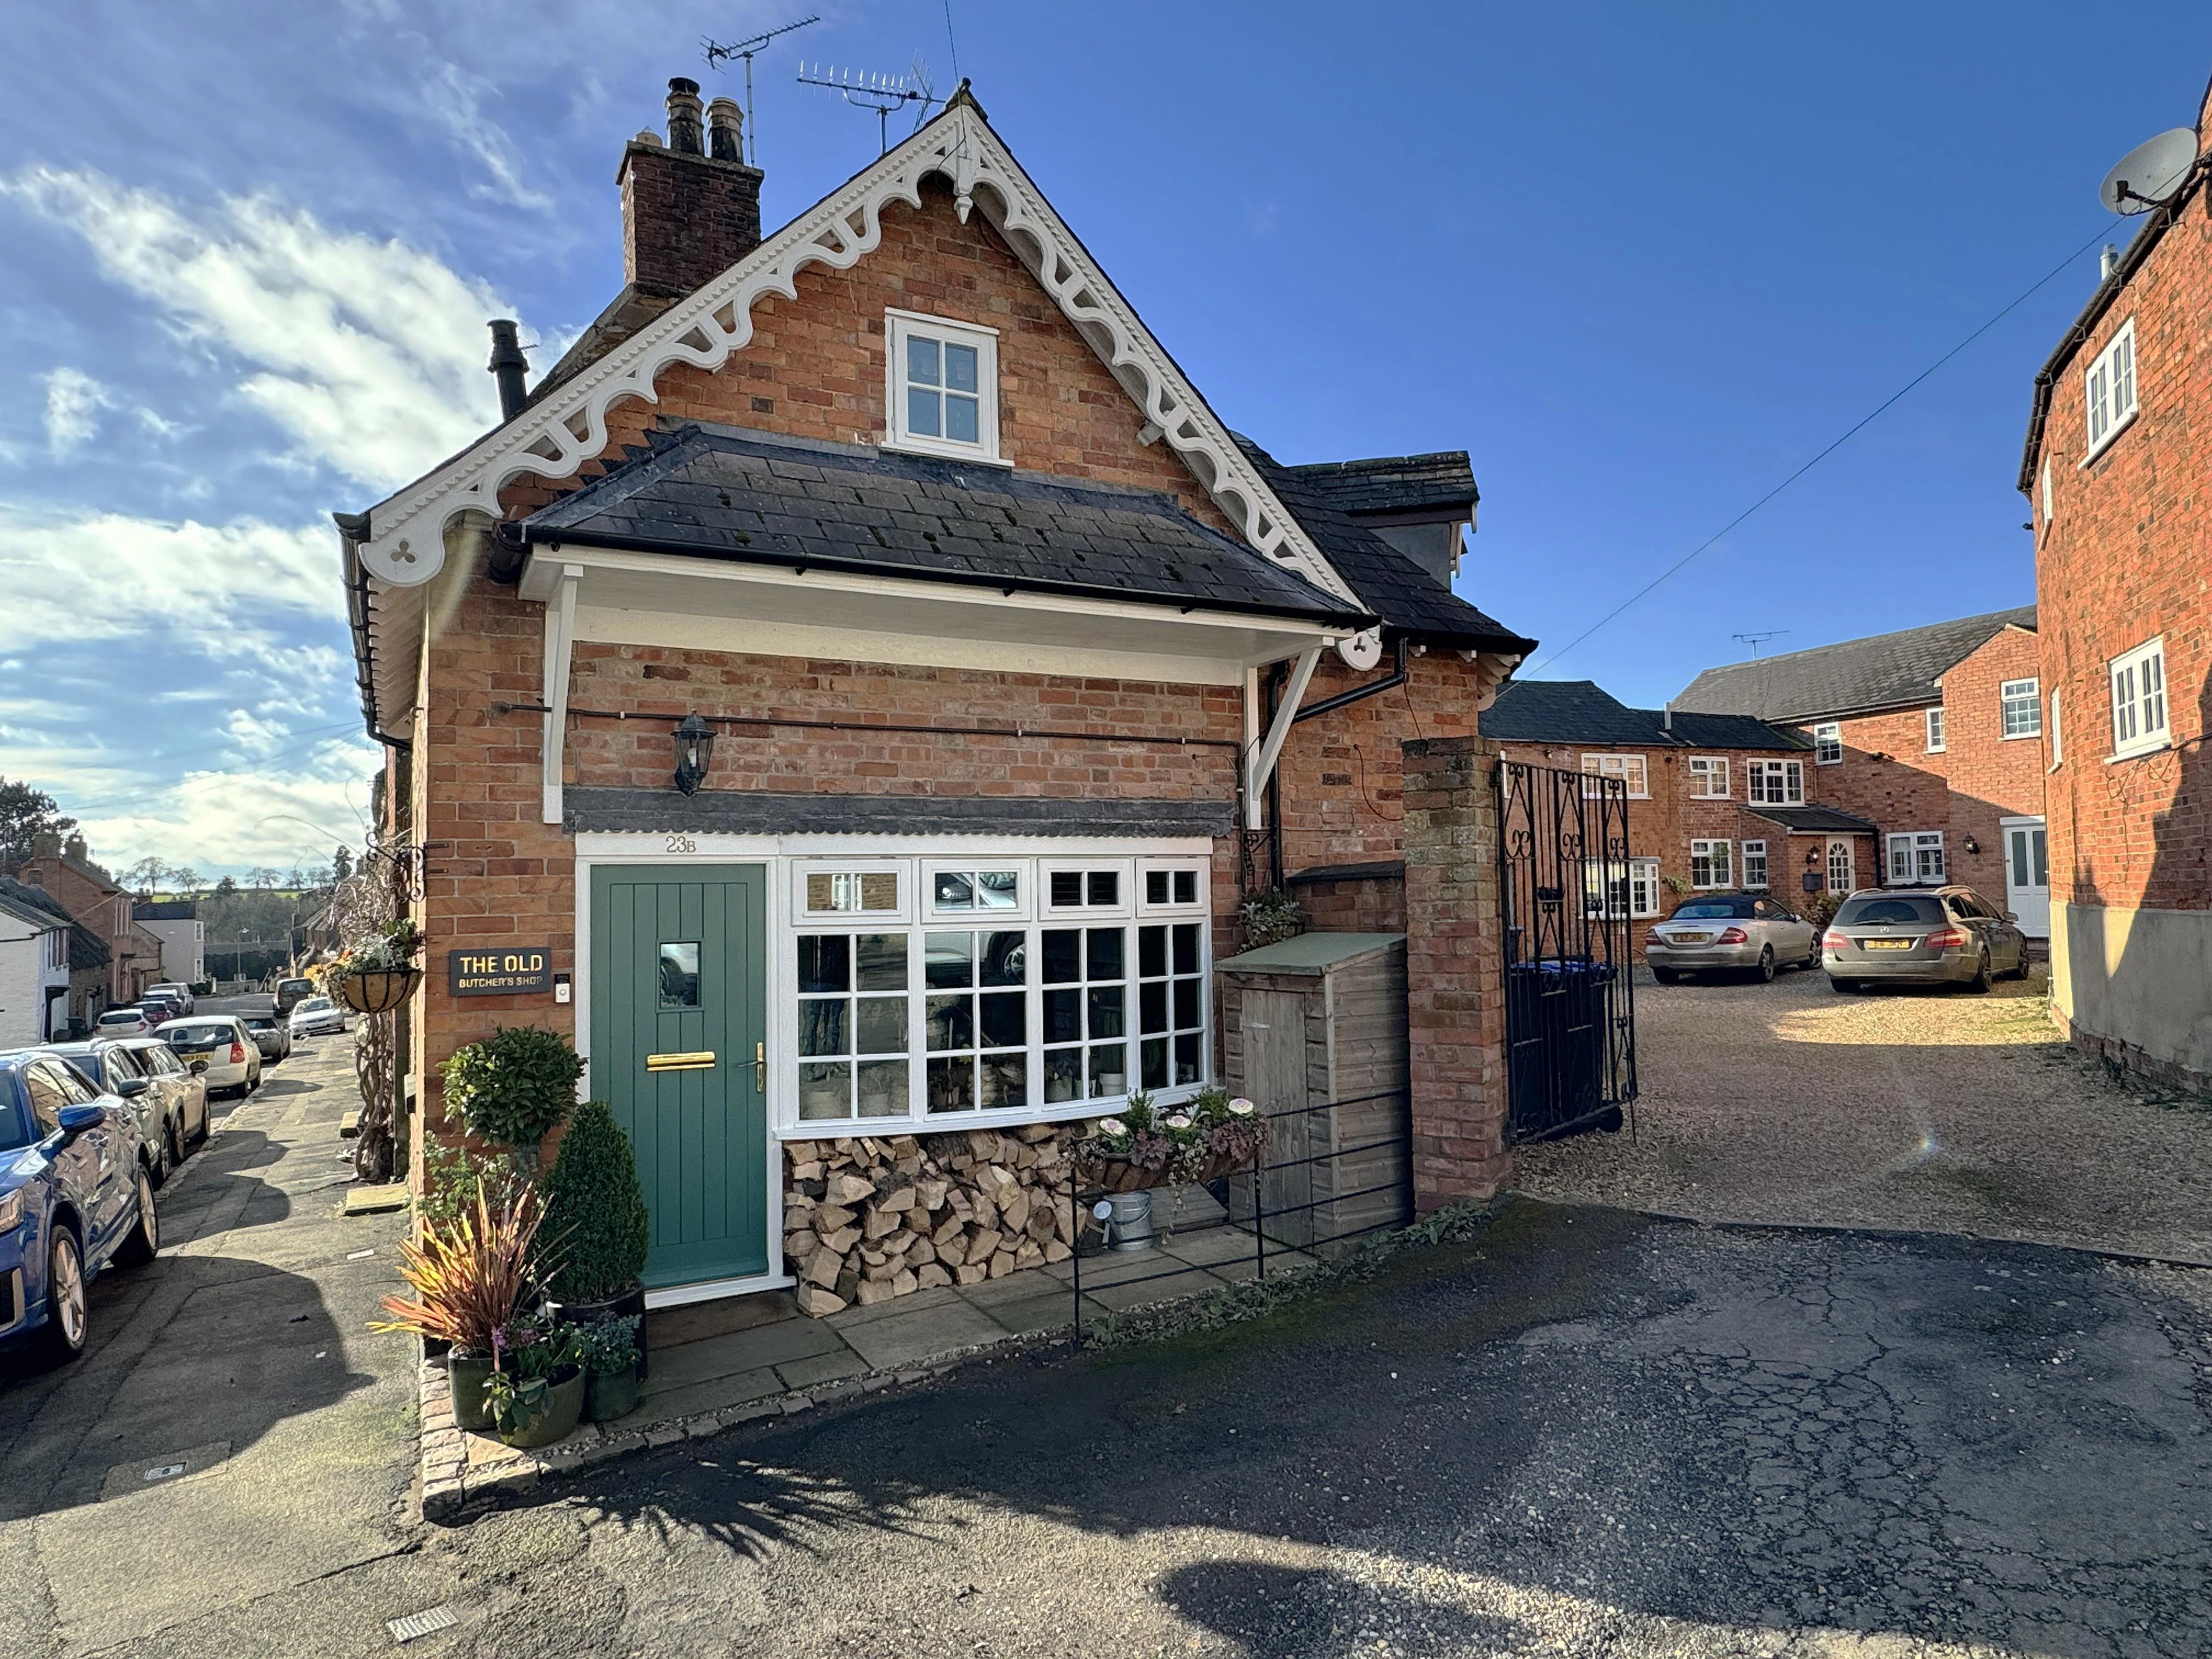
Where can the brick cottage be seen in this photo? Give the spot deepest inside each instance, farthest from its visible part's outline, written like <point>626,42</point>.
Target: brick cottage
<point>873,676</point>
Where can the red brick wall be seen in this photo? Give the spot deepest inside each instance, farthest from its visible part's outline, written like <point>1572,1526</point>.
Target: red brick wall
<point>1991,776</point>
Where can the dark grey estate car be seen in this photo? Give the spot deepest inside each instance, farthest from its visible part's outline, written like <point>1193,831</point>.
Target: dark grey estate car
<point>1923,936</point>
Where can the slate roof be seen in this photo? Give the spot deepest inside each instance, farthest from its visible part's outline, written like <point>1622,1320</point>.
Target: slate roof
<point>1394,483</point>
<point>1808,820</point>
<point>166,910</point>
<point>729,493</point>
<point>1580,711</point>
<point>1406,597</point>
<point>1857,677</point>
<point>822,812</point>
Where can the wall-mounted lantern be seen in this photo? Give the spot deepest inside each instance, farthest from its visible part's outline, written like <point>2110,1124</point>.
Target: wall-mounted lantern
<point>1974,848</point>
<point>694,743</point>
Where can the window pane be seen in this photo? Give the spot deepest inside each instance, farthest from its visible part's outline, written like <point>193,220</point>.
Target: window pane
<point>883,1088</point>
<point>1063,1016</point>
<point>825,1090</point>
<point>881,960</point>
<point>1105,953</point>
<point>998,890</point>
<point>1156,887</point>
<point>1006,1020</point>
<point>1186,1004</point>
<point>1005,1080</point>
<point>1005,959</point>
<point>1151,953</point>
<point>962,420</point>
<point>679,975</point>
<point>1066,887</point>
<point>1187,1058</point>
<point>824,963</point>
<point>951,1023</point>
<point>880,1025</point>
<point>822,1027</point>
<point>1105,887</point>
<point>1108,1011</point>
<point>1185,887</point>
<point>921,414</point>
<point>1152,1007</point>
<point>950,959</point>
<point>1063,955</point>
<point>1109,1070</point>
<point>1185,948</point>
<point>879,891</point>
<point>1063,1075</point>
<point>959,368</point>
<point>1152,1063</point>
<point>952,891</point>
<point>953,1083</point>
<point>920,359</point>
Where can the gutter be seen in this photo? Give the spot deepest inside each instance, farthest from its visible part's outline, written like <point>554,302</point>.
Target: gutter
<point>351,527</point>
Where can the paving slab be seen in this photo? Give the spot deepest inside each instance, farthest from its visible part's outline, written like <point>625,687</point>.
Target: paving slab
<point>822,1368</point>
<point>922,1333</point>
<point>741,1351</point>
<point>710,1394</point>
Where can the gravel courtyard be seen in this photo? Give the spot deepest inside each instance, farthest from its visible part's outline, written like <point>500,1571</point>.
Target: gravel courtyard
<point>1902,1109</point>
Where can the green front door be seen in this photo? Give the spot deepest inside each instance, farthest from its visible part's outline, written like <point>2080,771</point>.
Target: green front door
<point>678,1015</point>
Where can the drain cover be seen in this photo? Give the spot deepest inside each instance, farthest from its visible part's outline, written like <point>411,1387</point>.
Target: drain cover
<point>425,1623</point>
<point>162,1469</point>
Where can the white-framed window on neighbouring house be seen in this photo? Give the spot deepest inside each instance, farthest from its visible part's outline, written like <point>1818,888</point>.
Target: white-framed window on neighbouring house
<point>1629,769</point>
<point>1711,864</point>
<point>1915,857</point>
<point>1708,777</point>
<point>2057,753</point>
<point>2139,720</point>
<point>1777,782</point>
<point>1754,864</point>
<point>1828,743</point>
<point>943,397</point>
<point>2109,390</point>
<point>2020,704</point>
<point>2047,514</point>
<point>1643,887</point>
<point>1619,890</point>
<point>1935,730</point>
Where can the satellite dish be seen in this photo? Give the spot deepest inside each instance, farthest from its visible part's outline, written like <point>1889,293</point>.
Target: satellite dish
<point>2149,173</point>
<point>1361,650</point>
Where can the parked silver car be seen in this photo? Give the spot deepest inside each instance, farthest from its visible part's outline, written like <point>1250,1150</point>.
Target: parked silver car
<point>1753,932</point>
<point>1926,936</point>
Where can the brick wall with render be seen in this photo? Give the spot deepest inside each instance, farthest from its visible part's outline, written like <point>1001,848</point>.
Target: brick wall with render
<point>2120,561</point>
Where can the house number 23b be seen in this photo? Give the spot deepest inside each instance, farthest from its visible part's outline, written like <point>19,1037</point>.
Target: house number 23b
<point>682,844</point>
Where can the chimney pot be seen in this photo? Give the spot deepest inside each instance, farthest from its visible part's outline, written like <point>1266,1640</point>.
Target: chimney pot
<point>683,117</point>
<point>509,368</point>
<point>725,130</point>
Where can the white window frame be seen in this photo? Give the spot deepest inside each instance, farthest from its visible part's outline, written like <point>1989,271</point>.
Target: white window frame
<point>1126,905</point>
<point>1705,772</point>
<point>2108,392</point>
<point>1643,888</point>
<point>1933,719</point>
<point>1024,874</point>
<point>1763,776</point>
<point>1828,736</point>
<point>1198,869</point>
<point>1706,850</point>
<point>2013,696</point>
<point>2058,732</point>
<point>901,915</point>
<point>1749,853</point>
<point>2143,722</point>
<point>1617,766</point>
<point>2049,517</point>
<point>900,326</point>
<point>1924,861</point>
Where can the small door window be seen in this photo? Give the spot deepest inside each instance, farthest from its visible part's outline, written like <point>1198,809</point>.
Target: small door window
<point>679,974</point>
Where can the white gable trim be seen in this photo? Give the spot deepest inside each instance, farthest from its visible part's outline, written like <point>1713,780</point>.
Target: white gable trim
<point>557,436</point>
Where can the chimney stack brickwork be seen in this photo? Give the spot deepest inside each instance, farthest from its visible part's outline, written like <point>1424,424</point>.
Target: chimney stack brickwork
<point>687,216</point>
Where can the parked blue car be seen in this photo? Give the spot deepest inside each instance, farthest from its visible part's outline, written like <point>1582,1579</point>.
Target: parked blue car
<point>76,1198</point>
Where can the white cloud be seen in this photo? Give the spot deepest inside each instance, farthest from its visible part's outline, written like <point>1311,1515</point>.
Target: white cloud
<point>454,99</point>
<point>369,355</point>
<point>74,401</point>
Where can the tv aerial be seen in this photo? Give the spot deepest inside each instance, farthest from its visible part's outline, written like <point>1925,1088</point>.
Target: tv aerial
<point>1754,640</point>
<point>2149,173</point>
<point>718,55</point>
<point>881,93</point>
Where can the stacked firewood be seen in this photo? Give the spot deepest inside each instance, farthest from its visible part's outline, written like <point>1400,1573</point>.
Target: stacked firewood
<point>868,1218</point>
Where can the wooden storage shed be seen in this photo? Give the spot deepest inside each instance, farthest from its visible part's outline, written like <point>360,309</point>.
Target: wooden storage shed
<point>1315,1022</point>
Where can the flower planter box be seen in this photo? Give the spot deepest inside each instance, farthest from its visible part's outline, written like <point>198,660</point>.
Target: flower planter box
<point>378,993</point>
<point>1118,1174</point>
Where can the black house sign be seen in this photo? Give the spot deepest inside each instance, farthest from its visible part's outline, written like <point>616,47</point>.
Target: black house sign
<point>499,970</point>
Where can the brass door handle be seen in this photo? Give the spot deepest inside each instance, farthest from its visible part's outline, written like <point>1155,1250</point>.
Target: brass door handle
<point>760,1066</point>
<point>696,1060</point>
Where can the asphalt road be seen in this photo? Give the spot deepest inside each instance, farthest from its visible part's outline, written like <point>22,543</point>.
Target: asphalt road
<point>1586,1433</point>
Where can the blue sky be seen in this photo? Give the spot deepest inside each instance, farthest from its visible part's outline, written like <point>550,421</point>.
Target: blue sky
<point>1641,262</point>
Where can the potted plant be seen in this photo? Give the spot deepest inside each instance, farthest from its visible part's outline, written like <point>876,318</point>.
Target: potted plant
<point>536,1388</point>
<point>468,1275</point>
<point>612,1358</point>
<point>596,1209</point>
<point>1210,1136</point>
<point>1271,917</point>
<point>377,975</point>
<point>513,1087</point>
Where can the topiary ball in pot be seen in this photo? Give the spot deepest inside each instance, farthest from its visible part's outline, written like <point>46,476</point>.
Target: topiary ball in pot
<point>595,1214</point>
<point>514,1086</point>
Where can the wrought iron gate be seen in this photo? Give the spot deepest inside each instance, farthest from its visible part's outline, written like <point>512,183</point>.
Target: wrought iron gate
<point>1569,991</point>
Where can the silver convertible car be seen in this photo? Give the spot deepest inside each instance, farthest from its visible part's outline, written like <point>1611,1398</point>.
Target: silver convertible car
<point>1747,932</point>
<point>1933,936</point>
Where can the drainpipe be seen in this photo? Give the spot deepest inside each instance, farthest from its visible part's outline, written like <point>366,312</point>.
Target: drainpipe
<point>1395,679</point>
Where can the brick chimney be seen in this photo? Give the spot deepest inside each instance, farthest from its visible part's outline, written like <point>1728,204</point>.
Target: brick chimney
<point>691,207</point>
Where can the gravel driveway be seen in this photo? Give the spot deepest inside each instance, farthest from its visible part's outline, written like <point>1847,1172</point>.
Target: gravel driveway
<point>1905,1109</point>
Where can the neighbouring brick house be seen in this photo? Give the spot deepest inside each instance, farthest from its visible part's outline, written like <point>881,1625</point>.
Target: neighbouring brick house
<point>1716,802</point>
<point>64,869</point>
<point>995,636</point>
<point>73,979</point>
<point>1932,735</point>
<point>2119,445</point>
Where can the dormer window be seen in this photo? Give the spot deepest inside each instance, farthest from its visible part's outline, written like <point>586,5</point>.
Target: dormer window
<point>943,397</point>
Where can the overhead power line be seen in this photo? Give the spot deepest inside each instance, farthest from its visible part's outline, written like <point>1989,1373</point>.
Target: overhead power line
<point>2103,232</point>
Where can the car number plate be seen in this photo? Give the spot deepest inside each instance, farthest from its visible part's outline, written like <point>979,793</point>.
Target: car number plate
<point>1690,939</point>
<point>1888,943</point>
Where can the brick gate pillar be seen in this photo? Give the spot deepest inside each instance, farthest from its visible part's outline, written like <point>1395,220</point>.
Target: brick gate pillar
<point>1455,982</point>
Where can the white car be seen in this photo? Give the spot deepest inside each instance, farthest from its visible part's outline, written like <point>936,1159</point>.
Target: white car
<point>219,1048</point>
<point>181,993</point>
<point>316,1017</point>
<point>123,1023</point>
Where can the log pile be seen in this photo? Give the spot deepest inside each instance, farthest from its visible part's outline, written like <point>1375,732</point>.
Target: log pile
<point>870,1218</point>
